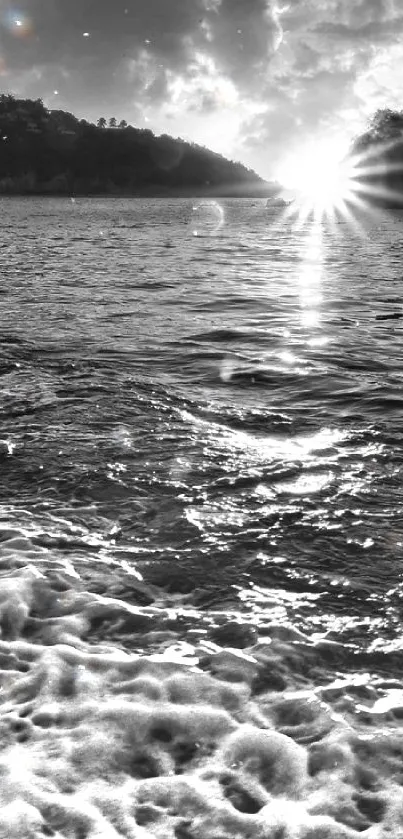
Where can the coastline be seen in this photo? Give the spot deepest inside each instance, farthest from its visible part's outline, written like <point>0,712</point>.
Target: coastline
<point>264,191</point>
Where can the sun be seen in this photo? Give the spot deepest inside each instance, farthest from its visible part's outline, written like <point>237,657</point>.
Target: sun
<point>321,176</point>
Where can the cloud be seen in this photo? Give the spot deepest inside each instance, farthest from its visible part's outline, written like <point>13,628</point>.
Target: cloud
<point>315,84</point>
<point>370,34</point>
<point>238,35</point>
<point>244,36</point>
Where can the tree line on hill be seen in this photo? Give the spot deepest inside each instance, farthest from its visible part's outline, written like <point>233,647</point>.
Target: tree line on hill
<point>53,152</point>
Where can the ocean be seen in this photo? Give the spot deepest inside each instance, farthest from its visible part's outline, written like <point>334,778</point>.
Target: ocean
<point>201,521</point>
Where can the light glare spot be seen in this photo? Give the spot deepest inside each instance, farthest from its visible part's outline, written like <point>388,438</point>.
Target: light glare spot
<point>322,179</point>
<point>19,25</point>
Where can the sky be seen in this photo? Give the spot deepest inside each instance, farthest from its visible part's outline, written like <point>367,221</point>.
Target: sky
<point>256,80</point>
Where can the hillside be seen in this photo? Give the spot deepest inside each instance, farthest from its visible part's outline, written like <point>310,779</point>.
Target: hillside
<point>379,152</point>
<point>52,152</point>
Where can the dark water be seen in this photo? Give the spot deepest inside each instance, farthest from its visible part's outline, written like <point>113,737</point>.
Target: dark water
<point>201,477</point>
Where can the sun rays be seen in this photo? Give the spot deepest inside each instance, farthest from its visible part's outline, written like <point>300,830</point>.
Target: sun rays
<point>330,185</point>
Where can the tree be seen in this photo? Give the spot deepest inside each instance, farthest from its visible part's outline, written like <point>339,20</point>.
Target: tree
<point>386,124</point>
<point>123,123</point>
<point>112,122</point>
<point>101,122</point>
<point>379,158</point>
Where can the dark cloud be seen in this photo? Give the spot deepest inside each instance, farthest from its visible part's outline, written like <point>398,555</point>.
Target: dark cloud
<point>244,35</point>
<point>370,34</point>
<point>95,35</point>
<point>113,26</point>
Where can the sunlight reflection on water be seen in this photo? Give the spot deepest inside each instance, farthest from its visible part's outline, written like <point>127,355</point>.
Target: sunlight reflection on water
<point>310,278</point>
<point>257,449</point>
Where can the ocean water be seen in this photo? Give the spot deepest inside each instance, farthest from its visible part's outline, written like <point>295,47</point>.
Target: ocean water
<point>201,522</point>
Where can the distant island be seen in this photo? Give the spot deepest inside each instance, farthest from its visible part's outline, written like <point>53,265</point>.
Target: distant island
<point>51,152</point>
<point>379,160</point>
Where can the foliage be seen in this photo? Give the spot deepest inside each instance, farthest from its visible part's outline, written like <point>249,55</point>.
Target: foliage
<point>379,152</point>
<point>51,151</point>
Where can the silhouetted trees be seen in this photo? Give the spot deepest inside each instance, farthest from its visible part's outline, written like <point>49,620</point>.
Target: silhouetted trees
<point>379,155</point>
<point>102,123</point>
<point>44,151</point>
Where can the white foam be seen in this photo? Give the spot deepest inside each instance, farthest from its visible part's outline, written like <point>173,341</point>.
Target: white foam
<point>180,740</point>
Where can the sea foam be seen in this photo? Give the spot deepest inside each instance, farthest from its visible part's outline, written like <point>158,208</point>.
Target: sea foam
<point>112,724</point>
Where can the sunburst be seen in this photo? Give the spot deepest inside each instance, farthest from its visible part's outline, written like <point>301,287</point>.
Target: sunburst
<point>323,181</point>
<point>329,183</point>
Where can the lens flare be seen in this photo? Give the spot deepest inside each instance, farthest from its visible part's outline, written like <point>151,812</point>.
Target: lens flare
<point>19,24</point>
<point>207,218</point>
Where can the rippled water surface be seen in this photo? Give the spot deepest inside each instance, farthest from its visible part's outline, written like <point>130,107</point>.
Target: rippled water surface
<point>201,458</point>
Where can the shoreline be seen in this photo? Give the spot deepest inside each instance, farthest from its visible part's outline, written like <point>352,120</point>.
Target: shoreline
<point>225,193</point>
